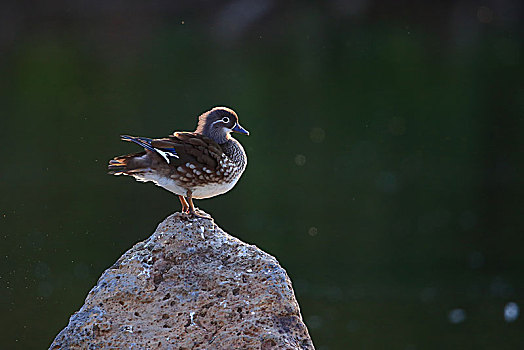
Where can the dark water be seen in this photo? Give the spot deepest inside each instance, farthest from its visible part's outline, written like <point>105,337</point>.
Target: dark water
<point>385,157</point>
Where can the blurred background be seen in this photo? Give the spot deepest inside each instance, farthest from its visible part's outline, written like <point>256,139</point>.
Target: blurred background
<point>385,156</point>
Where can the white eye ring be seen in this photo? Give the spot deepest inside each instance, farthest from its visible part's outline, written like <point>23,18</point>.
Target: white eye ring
<point>225,120</point>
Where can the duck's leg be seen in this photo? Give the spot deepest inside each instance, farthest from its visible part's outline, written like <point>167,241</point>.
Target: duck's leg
<point>192,210</point>
<point>185,206</point>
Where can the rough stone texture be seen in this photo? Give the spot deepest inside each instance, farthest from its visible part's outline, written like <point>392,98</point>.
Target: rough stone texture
<point>189,286</point>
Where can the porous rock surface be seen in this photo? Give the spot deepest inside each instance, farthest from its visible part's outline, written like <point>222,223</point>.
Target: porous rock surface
<point>189,286</point>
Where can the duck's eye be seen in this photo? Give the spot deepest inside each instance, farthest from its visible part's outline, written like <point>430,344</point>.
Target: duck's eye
<point>225,120</point>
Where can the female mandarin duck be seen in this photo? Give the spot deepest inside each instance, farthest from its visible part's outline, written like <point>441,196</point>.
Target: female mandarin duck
<point>199,164</point>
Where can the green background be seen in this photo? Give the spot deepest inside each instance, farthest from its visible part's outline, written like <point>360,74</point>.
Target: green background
<point>385,156</point>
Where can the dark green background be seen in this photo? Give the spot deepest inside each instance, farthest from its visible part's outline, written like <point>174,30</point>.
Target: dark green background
<point>385,156</point>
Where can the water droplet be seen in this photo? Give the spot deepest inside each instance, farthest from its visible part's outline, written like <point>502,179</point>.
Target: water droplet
<point>300,159</point>
<point>511,312</point>
<point>313,231</point>
<point>456,316</point>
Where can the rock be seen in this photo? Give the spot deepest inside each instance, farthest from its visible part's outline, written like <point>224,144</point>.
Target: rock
<point>189,286</point>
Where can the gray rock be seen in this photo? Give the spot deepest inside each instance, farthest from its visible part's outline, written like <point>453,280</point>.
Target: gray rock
<point>189,286</point>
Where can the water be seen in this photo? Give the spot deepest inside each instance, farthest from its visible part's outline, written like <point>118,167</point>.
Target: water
<point>384,163</point>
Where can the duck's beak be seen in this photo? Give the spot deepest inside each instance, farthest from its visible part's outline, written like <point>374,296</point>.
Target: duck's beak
<point>240,129</point>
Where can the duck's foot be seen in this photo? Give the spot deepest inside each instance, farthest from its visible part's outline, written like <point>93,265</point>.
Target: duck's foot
<point>197,213</point>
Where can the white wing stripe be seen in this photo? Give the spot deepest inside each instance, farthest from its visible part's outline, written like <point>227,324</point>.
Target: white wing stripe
<point>166,154</point>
